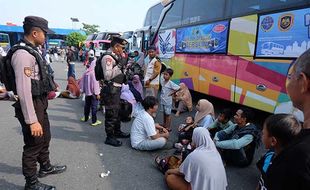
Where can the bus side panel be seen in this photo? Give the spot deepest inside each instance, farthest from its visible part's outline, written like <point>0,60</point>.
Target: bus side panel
<point>217,76</point>
<point>242,35</point>
<point>258,86</point>
<point>186,70</point>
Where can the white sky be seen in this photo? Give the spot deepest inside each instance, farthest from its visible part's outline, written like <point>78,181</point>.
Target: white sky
<point>110,15</point>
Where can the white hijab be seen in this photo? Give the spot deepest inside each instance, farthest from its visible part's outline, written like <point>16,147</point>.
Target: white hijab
<point>203,168</point>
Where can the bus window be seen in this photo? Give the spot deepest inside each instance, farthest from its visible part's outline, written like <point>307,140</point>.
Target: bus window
<point>174,16</point>
<point>147,21</point>
<point>90,37</point>
<point>155,13</point>
<point>101,36</point>
<point>202,11</point>
<point>242,7</point>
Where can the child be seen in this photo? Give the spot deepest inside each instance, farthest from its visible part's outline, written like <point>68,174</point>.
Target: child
<point>185,133</point>
<point>279,130</point>
<point>168,88</point>
<point>222,122</point>
<point>90,86</point>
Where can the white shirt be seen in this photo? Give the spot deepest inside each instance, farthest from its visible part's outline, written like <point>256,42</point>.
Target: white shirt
<point>167,88</point>
<point>143,127</point>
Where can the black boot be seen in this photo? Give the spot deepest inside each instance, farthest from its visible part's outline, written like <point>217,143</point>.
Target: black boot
<point>121,134</point>
<point>45,171</point>
<point>34,184</point>
<point>113,141</point>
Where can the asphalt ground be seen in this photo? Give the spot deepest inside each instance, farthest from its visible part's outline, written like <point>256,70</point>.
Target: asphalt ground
<point>81,147</point>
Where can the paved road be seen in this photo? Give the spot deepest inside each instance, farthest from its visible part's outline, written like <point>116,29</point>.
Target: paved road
<point>81,148</point>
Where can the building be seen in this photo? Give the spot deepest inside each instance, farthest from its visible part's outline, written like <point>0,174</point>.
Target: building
<point>16,32</point>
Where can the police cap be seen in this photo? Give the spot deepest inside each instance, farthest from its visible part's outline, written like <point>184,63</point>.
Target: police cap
<point>38,22</point>
<point>118,40</point>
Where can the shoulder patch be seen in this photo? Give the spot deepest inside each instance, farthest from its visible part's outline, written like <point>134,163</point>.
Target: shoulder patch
<point>109,61</point>
<point>28,71</point>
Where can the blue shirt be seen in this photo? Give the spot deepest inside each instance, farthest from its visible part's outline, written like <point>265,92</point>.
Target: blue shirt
<point>206,121</point>
<point>233,143</point>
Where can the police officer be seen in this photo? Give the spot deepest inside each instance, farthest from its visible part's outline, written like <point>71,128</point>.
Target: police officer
<point>32,85</point>
<point>113,69</point>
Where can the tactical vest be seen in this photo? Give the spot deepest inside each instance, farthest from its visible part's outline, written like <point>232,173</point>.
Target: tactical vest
<point>45,84</point>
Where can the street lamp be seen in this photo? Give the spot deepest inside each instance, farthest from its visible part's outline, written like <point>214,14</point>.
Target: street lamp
<point>74,20</point>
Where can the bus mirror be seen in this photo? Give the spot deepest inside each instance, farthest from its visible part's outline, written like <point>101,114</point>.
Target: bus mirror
<point>166,2</point>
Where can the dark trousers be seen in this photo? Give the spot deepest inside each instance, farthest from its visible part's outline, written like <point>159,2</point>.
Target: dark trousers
<point>36,149</point>
<point>111,98</point>
<point>236,157</point>
<point>91,102</point>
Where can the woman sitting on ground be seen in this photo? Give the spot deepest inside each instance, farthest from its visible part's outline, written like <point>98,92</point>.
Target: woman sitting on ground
<point>204,117</point>
<point>202,169</point>
<point>183,99</point>
<point>73,90</point>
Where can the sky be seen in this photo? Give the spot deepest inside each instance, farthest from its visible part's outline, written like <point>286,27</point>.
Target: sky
<point>110,15</point>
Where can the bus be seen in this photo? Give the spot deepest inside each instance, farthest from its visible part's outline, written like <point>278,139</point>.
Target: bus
<point>58,43</point>
<point>89,39</point>
<point>218,47</point>
<point>5,42</point>
<point>101,46</point>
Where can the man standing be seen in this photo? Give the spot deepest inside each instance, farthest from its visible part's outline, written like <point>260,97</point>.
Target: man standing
<point>32,87</point>
<point>152,73</point>
<point>113,69</point>
<point>238,142</point>
<point>291,168</point>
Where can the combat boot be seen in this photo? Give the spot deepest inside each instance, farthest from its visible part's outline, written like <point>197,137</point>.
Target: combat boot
<point>34,184</point>
<point>113,141</point>
<point>45,171</point>
<point>121,134</point>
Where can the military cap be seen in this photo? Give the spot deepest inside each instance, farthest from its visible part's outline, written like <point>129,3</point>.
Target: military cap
<point>38,22</point>
<point>152,48</point>
<point>119,40</point>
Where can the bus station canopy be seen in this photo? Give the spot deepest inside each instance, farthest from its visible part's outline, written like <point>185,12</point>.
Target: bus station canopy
<point>19,29</point>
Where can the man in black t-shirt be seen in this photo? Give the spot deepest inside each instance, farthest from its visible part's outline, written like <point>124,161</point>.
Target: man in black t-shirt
<point>290,170</point>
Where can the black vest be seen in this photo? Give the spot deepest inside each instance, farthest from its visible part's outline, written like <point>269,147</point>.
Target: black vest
<point>45,84</point>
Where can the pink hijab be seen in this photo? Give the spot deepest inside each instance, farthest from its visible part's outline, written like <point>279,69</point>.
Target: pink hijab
<point>126,94</point>
<point>137,84</point>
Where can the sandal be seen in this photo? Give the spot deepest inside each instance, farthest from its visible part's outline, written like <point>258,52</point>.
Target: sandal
<point>160,164</point>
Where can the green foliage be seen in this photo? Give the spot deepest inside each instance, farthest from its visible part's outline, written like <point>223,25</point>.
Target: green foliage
<point>90,28</point>
<point>75,38</point>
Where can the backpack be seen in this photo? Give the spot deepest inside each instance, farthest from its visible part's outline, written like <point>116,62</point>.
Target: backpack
<point>98,68</point>
<point>7,74</point>
<point>134,69</point>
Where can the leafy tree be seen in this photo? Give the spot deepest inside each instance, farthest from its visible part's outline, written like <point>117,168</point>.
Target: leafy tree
<point>74,39</point>
<point>90,28</point>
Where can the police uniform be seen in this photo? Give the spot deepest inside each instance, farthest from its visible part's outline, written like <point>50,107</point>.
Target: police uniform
<point>32,86</point>
<point>113,70</point>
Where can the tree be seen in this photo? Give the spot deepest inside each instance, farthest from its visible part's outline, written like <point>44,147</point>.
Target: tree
<point>90,28</point>
<point>74,39</point>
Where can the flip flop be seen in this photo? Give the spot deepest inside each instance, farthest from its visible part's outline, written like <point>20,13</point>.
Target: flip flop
<point>160,163</point>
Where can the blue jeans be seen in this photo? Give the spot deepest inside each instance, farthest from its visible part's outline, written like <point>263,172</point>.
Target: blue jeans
<point>91,102</point>
<point>71,71</point>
